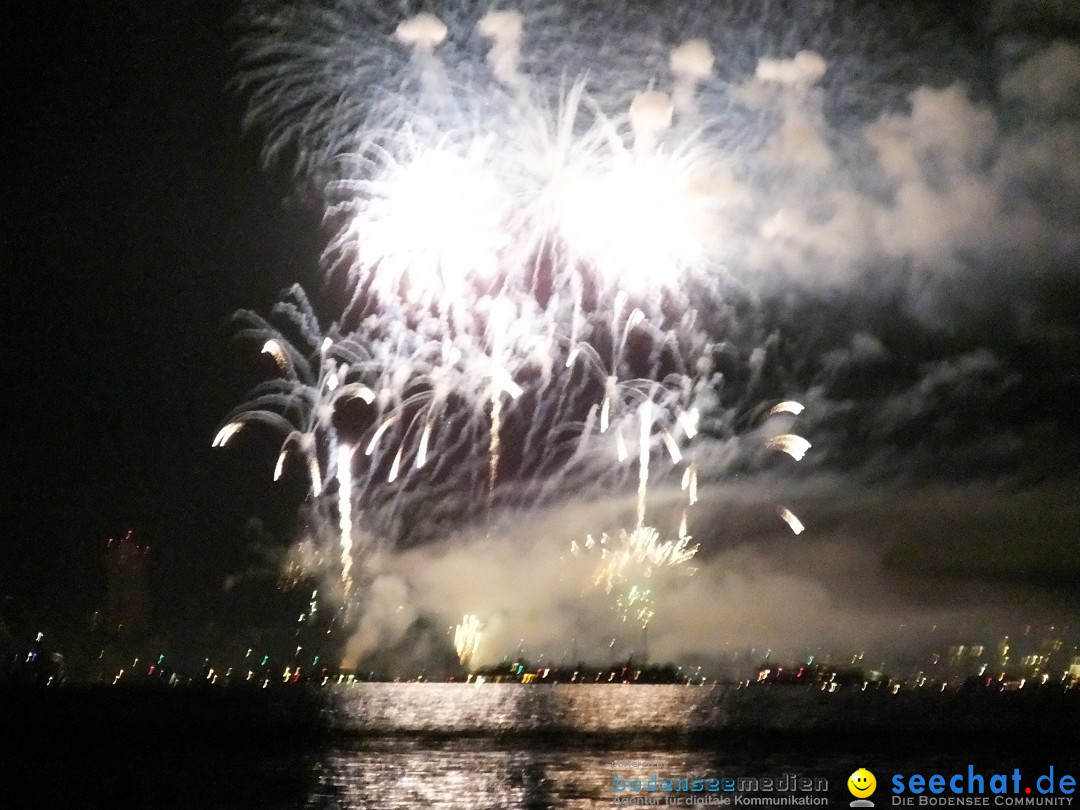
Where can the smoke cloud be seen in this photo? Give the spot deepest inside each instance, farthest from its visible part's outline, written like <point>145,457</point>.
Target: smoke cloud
<point>874,573</point>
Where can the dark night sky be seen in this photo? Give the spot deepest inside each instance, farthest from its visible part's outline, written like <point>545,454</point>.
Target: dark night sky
<point>138,219</point>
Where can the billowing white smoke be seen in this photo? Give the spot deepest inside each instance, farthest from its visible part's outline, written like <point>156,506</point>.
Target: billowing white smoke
<point>838,589</point>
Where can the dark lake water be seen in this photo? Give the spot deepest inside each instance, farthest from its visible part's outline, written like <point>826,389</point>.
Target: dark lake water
<point>446,746</point>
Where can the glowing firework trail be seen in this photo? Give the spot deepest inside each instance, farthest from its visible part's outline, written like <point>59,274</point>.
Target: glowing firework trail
<point>689,484</point>
<point>467,637</point>
<point>344,479</point>
<point>438,398</point>
<point>790,519</point>
<point>645,416</point>
<point>302,403</point>
<point>493,446</point>
<point>502,311</point>
<point>643,550</point>
<point>689,421</point>
<point>637,603</point>
<point>794,446</point>
<point>273,348</point>
<point>618,348</point>
<point>654,409</point>
<point>424,224</point>
<point>226,433</point>
<point>787,406</point>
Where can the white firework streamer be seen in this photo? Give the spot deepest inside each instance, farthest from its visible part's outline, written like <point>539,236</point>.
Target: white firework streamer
<point>344,480</point>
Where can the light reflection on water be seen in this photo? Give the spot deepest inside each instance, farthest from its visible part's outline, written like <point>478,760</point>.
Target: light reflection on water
<point>503,708</point>
<point>449,746</point>
<point>388,774</point>
<point>391,746</point>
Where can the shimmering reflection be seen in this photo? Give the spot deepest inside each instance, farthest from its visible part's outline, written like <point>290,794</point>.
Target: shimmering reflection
<point>514,708</point>
<point>450,746</point>
<point>609,709</point>
<point>496,746</point>
<point>390,774</point>
<point>512,746</point>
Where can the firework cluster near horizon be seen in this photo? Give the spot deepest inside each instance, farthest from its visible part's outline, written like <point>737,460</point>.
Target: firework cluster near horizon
<point>538,213</point>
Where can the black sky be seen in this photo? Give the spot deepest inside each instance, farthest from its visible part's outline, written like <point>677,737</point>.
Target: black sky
<point>138,220</point>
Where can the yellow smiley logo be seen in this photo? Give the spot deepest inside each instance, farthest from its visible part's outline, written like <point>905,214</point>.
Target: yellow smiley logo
<point>861,783</point>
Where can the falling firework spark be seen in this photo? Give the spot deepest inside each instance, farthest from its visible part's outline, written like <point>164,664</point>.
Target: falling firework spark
<point>501,383</point>
<point>344,478</point>
<point>467,637</point>
<point>787,406</point>
<point>302,403</point>
<point>794,446</point>
<point>791,520</point>
<point>645,417</point>
<point>642,547</point>
<point>633,556</point>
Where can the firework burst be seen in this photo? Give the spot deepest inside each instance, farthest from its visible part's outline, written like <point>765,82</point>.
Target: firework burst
<point>467,636</point>
<point>526,250</point>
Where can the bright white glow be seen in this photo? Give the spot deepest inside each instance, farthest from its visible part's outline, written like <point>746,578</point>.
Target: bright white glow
<point>280,465</point>
<point>226,433</point>
<point>689,421</point>
<point>788,406</point>
<point>467,637</point>
<point>641,224</point>
<point>273,348</point>
<point>344,477</point>
<point>378,435</point>
<point>428,224</point>
<point>620,445</point>
<point>689,483</point>
<point>642,547</point>
<point>791,520</point>
<point>395,466</point>
<point>356,391</point>
<point>794,446</point>
<point>672,448</point>
<point>422,450</point>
